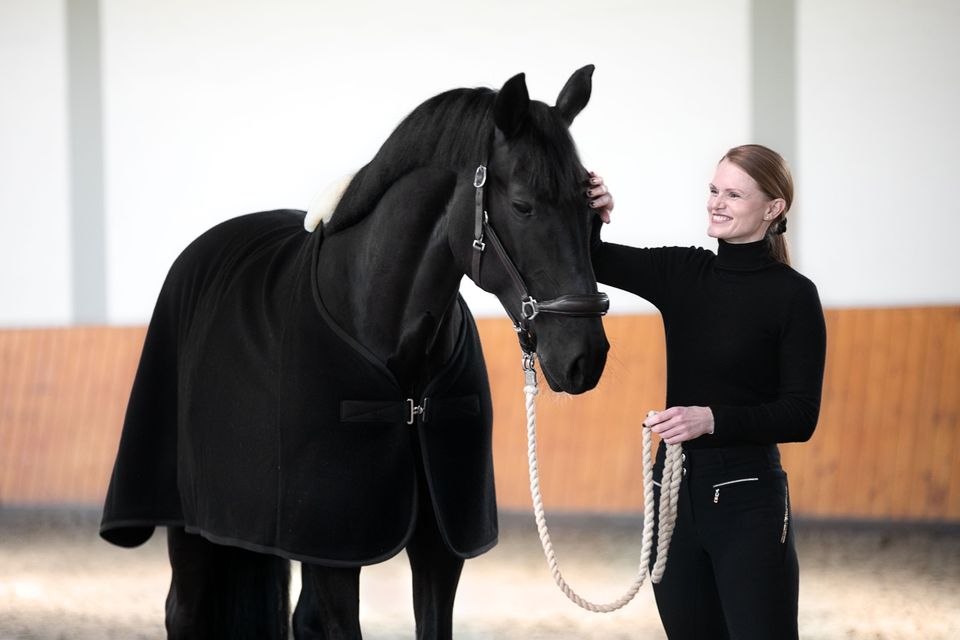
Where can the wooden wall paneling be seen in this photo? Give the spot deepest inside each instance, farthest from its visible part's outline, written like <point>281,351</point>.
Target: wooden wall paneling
<point>62,396</point>
<point>812,464</point>
<point>871,358</point>
<point>902,467</point>
<point>106,356</point>
<point>74,384</point>
<point>503,362</point>
<point>950,393</point>
<point>12,398</point>
<point>942,420</point>
<point>26,446</point>
<point>881,394</point>
<point>921,447</point>
<point>89,407</point>
<point>125,358</point>
<point>38,416</point>
<point>23,450</point>
<point>9,399</point>
<point>887,445</point>
<point>836,390</point>
<point>808,463</point>
<point>59,359</point>
<point>843,430</point>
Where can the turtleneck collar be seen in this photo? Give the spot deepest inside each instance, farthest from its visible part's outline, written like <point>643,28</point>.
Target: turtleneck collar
<point>749,256</point>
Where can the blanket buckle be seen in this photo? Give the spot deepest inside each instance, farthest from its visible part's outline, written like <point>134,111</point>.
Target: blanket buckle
<point>414,410</point>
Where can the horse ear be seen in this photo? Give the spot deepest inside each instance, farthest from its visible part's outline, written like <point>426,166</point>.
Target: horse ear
<point>512,104</point>
<point>575,94</point>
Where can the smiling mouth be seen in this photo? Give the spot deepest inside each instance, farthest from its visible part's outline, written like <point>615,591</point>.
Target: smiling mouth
<point>716,217</point>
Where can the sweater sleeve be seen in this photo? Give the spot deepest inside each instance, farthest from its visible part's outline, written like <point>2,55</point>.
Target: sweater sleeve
<point>793,416</point>
<point>645,272</point>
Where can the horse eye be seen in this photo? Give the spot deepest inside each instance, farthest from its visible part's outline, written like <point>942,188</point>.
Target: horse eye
<point>522,207</point>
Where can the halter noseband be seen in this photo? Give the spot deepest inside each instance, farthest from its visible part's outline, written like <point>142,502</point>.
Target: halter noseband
<point>574,304</point>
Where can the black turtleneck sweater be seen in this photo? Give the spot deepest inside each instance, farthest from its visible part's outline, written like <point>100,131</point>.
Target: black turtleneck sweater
<point>745,335</point>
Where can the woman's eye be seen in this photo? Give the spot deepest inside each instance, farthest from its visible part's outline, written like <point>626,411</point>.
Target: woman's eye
<point>522,207</point>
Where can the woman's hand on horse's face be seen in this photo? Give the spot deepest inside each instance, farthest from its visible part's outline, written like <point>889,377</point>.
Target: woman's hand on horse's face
<point>678,424</point>
<point>601,200</point>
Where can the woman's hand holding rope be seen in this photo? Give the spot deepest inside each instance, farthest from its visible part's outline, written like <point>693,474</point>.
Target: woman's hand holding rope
<point>679,424</point>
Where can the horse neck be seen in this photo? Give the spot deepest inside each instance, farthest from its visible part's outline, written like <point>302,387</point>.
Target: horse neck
<point>391,282</point>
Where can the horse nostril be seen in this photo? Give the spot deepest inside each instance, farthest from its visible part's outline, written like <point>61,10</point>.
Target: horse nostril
<point>584,371</point>
<point>579,375</point>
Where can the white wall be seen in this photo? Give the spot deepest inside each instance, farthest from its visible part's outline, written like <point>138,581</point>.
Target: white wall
<point>879,94</point>
<point>34,187</point>
<point>217,108</point>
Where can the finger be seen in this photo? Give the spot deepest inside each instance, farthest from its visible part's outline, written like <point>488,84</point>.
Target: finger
<point>666,418</point>
<point>675,439</point>
<point>605,215</point>
<point>671,436</point>
<point>676,433</point>
<point>665,425</point>
<point>601,201</point>
<point>670,412</point>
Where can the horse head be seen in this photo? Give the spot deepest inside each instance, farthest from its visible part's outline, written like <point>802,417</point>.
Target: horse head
<point>530,194</point>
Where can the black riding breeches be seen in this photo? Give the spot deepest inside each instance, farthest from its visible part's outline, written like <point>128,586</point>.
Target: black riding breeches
<point>732,567</point>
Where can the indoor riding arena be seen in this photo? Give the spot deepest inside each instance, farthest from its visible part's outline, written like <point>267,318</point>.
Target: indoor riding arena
<point>876,525</point>
<point>137,126</point>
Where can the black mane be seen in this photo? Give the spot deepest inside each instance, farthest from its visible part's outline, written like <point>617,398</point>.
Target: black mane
<point>455,129</point>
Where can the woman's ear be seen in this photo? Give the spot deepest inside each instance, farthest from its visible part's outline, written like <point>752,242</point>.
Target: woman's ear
<point>777,205</point>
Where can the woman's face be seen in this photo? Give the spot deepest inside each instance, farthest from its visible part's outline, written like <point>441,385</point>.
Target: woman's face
<point>737,210</point>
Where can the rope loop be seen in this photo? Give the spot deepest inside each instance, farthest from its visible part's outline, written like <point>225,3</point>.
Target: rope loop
<point>669,494</point>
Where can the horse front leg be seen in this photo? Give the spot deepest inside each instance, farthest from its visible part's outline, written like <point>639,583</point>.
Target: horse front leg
<point>436,573</point>
<point>223,592</point>
<point>329,604</point>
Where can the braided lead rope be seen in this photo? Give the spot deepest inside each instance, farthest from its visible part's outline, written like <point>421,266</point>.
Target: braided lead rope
<point>668,497</point>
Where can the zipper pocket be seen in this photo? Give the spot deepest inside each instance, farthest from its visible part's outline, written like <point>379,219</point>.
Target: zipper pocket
<point>716,487</point>
<point>786,518</point>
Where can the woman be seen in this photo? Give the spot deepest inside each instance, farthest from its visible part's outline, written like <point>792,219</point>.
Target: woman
<point>745,354</point>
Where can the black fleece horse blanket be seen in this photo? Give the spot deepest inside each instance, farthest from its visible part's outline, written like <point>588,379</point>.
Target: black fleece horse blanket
<point>257,422</point>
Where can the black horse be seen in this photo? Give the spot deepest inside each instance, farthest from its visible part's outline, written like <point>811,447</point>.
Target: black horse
<point>322,396</point>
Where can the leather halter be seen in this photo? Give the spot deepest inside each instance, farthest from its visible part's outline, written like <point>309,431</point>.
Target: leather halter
<point>573,304</point>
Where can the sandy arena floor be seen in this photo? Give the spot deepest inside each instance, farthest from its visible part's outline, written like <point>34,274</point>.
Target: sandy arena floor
<point>58,581</point>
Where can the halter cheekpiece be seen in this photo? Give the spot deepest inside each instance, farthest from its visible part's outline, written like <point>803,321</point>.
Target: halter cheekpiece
<point>573,304</point>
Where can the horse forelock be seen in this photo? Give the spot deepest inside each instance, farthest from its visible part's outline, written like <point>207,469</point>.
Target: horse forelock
<point>548,155</point>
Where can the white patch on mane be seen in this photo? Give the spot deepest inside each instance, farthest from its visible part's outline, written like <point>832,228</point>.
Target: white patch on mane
<point>325,202</point>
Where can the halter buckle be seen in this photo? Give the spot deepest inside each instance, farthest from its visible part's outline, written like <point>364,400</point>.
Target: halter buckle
<point>480,177</point>
<point>529,303</point>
